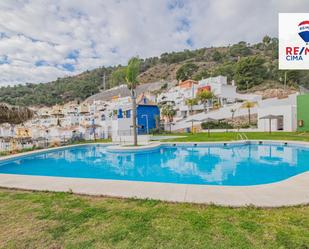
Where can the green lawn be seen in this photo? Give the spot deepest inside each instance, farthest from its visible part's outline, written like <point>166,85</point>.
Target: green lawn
<point>63,220</point>
<point>229,136</point>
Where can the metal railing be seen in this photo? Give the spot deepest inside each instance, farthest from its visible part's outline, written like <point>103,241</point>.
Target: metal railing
<point>123,136</point>
<point>242,136</point>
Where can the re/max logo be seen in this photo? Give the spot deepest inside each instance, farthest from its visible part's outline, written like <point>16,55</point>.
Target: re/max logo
<point>296,53</point>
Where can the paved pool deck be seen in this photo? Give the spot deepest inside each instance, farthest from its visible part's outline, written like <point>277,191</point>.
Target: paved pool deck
<point>292,191</point>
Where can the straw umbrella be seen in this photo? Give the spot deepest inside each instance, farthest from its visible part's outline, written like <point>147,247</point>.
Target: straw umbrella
<point>208,120</point>
<point>270,117</point>
<point>14,114</point>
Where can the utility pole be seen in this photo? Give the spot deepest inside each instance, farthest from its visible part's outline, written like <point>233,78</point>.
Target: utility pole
<point>104,81</point>
<point>285,76</point>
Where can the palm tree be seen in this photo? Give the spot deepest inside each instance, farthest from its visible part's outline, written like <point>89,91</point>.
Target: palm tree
<point>132,82</point>
<point>248,105</point>
<point>204,97</point>
<point>169,112</point>
<point>191,103</point>
<point>233,113</point>
<point>266,42</point>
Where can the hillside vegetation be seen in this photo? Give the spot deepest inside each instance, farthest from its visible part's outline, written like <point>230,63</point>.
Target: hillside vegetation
<point>249,65</point>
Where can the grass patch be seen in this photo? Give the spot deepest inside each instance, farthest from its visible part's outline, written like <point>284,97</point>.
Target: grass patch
<point>63,220</point>
<point>92,141</point>
<point>230,136</point>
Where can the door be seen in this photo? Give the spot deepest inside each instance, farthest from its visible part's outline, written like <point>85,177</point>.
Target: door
<point>280,123</point>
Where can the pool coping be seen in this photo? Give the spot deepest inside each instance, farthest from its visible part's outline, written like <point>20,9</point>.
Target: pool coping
<point>289,192</point>
<point>39,151</point>
<point>127,149</point>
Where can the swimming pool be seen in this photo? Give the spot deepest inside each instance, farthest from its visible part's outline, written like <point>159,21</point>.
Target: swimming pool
<point>215,164</point>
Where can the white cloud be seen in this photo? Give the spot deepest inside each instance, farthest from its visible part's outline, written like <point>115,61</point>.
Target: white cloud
<point>43,40</point>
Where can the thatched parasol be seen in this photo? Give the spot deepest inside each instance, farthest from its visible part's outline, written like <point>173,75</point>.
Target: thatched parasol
<point>14,114</point>
<point>208,120</point>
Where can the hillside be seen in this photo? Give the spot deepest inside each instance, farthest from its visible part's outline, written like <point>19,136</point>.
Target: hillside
<point>123,91</point>
<point>251,66</point>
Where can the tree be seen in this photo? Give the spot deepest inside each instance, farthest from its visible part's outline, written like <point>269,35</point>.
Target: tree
<point>201,75</point>
<point>274,48</point>
<point>132,82</point>
<point>293,76</point>
<point>217,56</point>
<point>233,113</point>
<point>118,76</point>
<point>190,103</point>
<point>227,69</point>
<point>169,112</point>
<point>248,105</point>
<point>266,41</point>
<point>186,71</point>
<point>250,71</point>
<point>240,49</point>
<point>204,97</point>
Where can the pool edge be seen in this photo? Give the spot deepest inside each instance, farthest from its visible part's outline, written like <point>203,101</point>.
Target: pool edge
<point>289,192</point>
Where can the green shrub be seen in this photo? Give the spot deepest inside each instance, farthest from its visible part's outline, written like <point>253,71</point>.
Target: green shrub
<point>216,125</point>
<point>245,126</point>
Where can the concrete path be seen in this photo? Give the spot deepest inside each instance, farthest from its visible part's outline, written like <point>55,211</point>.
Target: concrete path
<point>159,138</point>
<point>293,191</point>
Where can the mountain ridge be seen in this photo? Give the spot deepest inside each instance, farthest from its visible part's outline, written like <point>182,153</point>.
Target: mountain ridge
<point>248,64</point>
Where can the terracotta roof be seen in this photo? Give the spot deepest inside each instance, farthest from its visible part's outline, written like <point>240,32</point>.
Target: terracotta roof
<point>188,81</point>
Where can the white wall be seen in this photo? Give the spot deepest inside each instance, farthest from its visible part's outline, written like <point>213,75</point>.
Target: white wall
<point>249,97</point>
<point>274,106</point>
<point>220,80</point>
<point>116,127</point>
<point>287,111</point>
<point>130,139</point>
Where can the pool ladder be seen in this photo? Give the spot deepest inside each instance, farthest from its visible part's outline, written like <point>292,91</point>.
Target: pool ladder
<point>242,136</point>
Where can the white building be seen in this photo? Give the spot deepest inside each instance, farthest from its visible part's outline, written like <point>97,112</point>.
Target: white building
<point>284,109</point>
<point>225,92</point>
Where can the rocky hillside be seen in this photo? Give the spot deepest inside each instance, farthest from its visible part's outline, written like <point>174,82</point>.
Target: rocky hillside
<point>272,89</point>
<point>252,66</point>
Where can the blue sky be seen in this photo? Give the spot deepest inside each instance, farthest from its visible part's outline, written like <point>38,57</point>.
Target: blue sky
<point>42,40</point>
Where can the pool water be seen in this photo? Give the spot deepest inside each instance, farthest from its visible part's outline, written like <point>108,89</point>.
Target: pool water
<point>232,165</point>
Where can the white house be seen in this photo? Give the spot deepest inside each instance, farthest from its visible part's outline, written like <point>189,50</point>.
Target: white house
<point>225,92</point>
